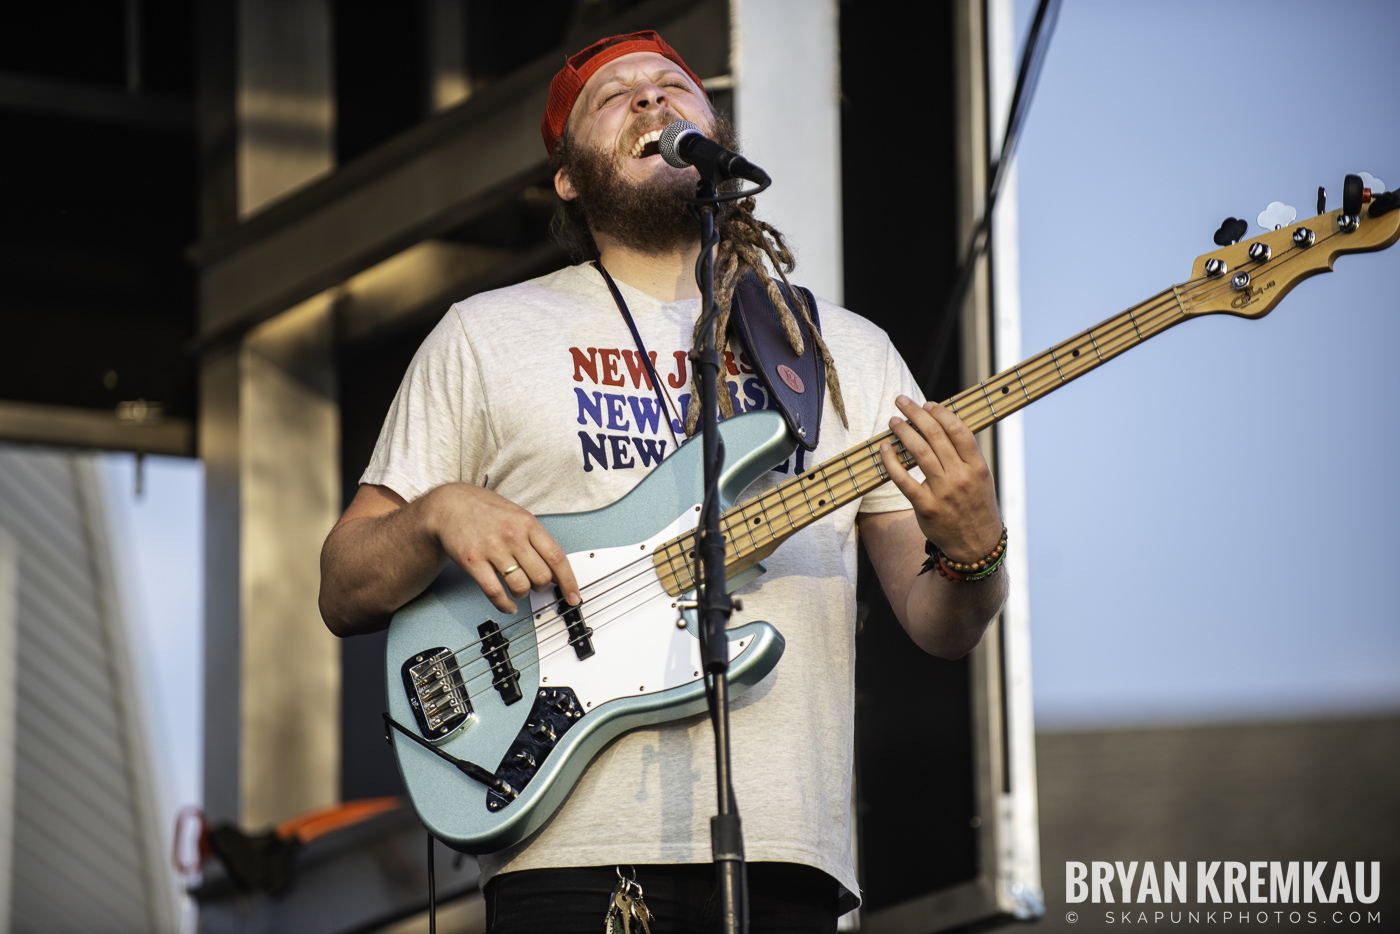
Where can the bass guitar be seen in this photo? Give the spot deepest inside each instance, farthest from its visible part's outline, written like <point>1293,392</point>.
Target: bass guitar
<point>494,720</point>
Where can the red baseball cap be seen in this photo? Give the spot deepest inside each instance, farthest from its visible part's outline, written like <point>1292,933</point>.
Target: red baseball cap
<point>579,67</point>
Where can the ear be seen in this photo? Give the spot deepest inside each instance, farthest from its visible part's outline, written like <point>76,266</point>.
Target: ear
<point>563,186</point>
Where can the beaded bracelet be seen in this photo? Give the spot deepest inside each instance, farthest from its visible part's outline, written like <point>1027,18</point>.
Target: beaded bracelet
<point>964,572</point>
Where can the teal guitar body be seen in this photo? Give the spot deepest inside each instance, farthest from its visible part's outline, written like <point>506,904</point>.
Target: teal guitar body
<point>532,698</point>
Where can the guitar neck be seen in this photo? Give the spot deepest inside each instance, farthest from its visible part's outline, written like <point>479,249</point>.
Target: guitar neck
<point>755,529</point>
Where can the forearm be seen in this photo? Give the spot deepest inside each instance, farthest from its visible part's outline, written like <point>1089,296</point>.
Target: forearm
<point>948,619</point>
<point>372,565</point>
<point>385,551</point>
<point>943,618</point>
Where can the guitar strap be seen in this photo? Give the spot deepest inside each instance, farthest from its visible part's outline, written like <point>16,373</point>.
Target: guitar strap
<point>796,383</point>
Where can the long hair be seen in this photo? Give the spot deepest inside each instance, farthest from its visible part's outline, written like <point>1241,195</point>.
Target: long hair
<point>746,244</point>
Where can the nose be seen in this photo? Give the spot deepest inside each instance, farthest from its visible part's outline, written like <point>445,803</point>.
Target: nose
<point>648,97</point>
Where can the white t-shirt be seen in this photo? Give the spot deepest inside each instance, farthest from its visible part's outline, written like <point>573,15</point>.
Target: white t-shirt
<point>537,392</point>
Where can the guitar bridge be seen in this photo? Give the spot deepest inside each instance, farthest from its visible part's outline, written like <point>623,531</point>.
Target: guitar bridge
<point>433,681</point>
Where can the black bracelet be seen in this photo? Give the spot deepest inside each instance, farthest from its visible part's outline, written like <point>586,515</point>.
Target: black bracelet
<point>964,573</point>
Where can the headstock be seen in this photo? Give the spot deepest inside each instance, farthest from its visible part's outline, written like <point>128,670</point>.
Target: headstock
<point>1249,278</point>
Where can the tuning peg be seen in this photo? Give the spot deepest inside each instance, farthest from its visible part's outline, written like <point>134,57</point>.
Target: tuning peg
<point>1231,230</point>
<point>1321,200</point>
<point>1277,215</point>
<point>1354,194</point>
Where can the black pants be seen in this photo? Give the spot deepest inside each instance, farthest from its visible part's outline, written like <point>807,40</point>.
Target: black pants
<point>784,898</point>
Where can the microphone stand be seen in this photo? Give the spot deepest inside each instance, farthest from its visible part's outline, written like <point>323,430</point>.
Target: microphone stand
<point>713,603</point>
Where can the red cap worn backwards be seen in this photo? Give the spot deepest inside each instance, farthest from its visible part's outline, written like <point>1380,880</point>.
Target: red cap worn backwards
<point>568,83</point>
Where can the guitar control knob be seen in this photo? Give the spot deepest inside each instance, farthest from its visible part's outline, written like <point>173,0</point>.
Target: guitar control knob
<point>542,732</point>
<point>1216,268</point>
<point>1260,252</point>
<point>1240,280</point>
<point>524,760</point>
<point>1304,237</point>
<point>561,702</point>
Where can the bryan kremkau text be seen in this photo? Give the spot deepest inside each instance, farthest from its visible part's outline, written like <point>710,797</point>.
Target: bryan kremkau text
<point>1227,882</point>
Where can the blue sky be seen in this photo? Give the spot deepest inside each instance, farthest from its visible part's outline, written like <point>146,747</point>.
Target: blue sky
<point>1213,517</point>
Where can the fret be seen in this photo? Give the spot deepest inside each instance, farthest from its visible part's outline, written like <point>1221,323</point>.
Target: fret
<point>986,396</point>
<point>682,574</point>
<point>1036,376</point>
<point>805,484</point>
<point>1116,345</point>
<point>861,462</point>
<point>880,465</point>
<point>830,493</point>
<point>905,457</point>
<point>749,525</point>
<point>1176,293</point>
<point>806,498</point>
<point>1133,319</point>
<point>788,515</point>
<point>865,465</point>
<point>876,464</point>
<point>677,560</point>
<point>802,499</point>
<point>846,462</point>
<point>688,552</point>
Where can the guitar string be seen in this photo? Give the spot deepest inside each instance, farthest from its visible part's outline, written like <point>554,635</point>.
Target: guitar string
<point>874,470</point>
<point>869,450</point>
<point>1111,335</point>
<point>743,513</point>
<point>1133,320</point>
<point>1149,318</point>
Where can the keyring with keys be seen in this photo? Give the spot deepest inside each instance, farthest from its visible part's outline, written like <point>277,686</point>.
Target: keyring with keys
<point>627,905</point>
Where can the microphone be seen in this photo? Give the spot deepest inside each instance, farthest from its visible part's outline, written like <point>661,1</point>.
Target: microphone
<point>682,144</point>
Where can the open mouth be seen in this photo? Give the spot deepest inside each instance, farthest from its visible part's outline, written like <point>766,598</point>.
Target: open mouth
<point>648,144</point>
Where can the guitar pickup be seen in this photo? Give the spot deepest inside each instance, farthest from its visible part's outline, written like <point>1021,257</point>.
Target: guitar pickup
<point>504,677</point>
<point>580,635</point>
<point>432,680</point>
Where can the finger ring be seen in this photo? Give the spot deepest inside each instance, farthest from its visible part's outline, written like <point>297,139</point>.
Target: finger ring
<point>511,569</point>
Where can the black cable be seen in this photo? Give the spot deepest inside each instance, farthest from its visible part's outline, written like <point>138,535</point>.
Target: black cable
<point>731,196</point>
<point>469,769</point>
<point>432,890</point>
<point>1032,58</point>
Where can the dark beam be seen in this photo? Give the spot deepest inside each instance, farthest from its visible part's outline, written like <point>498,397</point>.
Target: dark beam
<point>437,176</point>
<point>94,428</point>
<point>96,103</point>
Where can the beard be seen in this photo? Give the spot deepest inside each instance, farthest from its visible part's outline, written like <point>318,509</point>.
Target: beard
<point>648,216</point>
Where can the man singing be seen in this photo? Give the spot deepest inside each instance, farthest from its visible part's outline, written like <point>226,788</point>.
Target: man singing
<point>535,399</point>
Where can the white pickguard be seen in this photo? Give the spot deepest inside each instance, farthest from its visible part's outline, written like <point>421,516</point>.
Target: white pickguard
<point>638,648</point>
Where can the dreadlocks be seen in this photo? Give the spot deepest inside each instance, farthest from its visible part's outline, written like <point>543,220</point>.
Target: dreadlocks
<point>746,245</point>
<point>745,242</point>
